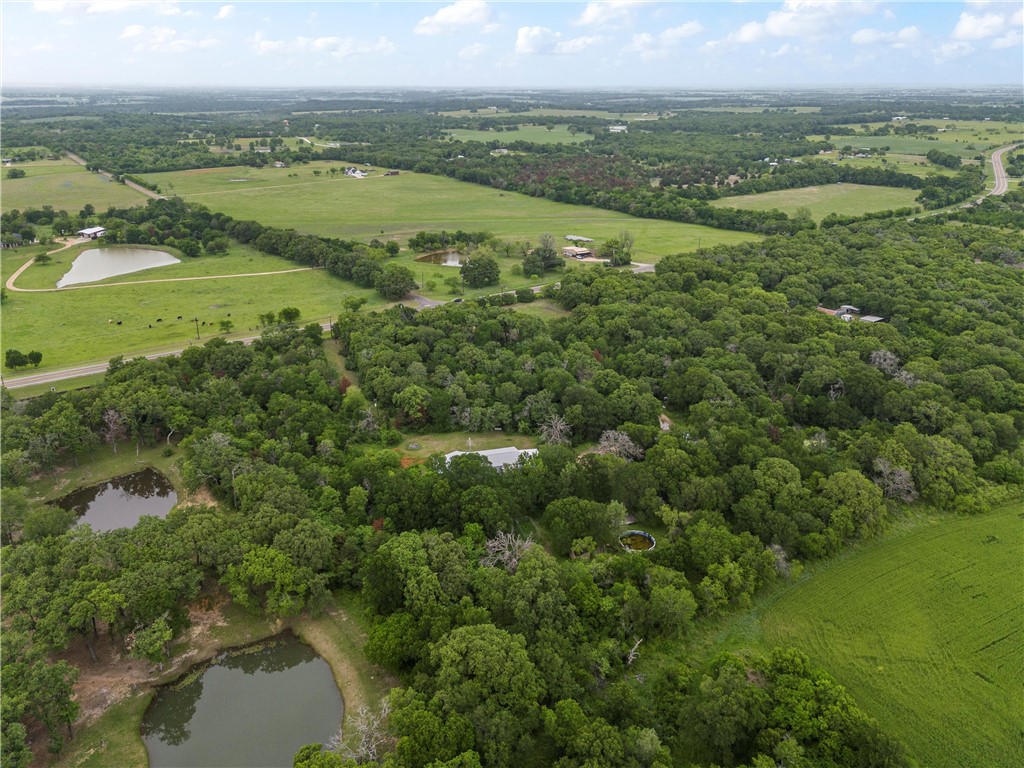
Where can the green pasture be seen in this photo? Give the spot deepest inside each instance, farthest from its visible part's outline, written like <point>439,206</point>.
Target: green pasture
<point>71,326</point>
<point>65,185</point>
<point>240,259</point>
<point>538,134</point>
<point>915,164</point>
<point>541,308</point>
<point>397,207</point>
<point>850,199</point>
<point>487,112</point>
<point>926,631</point>
<point>966,138</point>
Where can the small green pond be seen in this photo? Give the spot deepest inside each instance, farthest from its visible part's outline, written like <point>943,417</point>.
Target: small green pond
<point>250,707</point>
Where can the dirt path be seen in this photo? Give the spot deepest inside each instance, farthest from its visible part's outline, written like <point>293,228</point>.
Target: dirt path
<point>127,183</point>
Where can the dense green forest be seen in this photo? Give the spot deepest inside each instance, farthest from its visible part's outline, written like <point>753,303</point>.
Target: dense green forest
<point>521,632</point>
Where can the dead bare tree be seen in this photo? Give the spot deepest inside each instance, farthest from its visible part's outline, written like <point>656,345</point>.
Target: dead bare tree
<point>370,739</point>
<point>113,428</point>
<point>895,482</point>
<point>369,422</point>
<point>885,361</point>
<point>620,444</point>
<point>555,430</point>
<point>506,549</point>
<point>781,559</point>
<point>634,653</point>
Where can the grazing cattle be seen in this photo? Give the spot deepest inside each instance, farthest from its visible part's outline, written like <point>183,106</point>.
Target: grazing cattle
<point>118,322</point>
<point>179,317</point>
<point>159,319</point>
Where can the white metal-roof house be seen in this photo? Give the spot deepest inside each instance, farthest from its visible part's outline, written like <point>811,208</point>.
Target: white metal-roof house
<point>93,232</point>
<point>499,457</point>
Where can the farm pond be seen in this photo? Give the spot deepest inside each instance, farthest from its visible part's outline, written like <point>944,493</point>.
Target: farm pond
<point>101,263</point>
<point>442,258</point>
<point>121,501</point>
<point>251,706</point>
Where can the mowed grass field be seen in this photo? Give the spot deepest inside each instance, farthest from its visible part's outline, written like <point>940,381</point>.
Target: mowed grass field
<point>926,631</point>
<point>71,326</point>
<point>65,185</point>
<point>398,207</point>
<point>538,134</point>
<point>851,199</point>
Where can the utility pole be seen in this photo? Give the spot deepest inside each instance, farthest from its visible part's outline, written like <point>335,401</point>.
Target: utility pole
<point>197,327</point>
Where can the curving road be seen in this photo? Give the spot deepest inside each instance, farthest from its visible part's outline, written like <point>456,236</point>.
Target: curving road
<point>999,172</point>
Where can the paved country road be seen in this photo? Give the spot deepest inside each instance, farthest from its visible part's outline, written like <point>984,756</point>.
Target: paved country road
<point>998,172</point>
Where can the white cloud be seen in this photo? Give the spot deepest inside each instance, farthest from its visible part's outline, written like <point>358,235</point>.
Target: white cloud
<point>451,18</point>
<point>164,40</point>
<point>43,47</point>
<point>971,27</point>
<point>163,8</point>
<point>802,19</point>
<point>225,12</point>
<point>781,51</point>
<point>334,47</point>
<point>607,11</point>
<point>1011,39</point>
<point>474,51</point>
<point>651,47</point>
<point>541,40</point>
<point>903,38</point>
<point>948,51</point>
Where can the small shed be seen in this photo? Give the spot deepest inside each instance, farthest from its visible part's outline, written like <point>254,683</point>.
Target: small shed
<point>576,252</point>
<point>92,232</point>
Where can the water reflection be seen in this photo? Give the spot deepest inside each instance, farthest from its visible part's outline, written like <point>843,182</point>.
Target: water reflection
<point>101,263</point>
<point>250,707</point>
<point>120,502</point>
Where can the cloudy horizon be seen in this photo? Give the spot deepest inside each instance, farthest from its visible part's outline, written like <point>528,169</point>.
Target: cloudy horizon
<point>479,44</point>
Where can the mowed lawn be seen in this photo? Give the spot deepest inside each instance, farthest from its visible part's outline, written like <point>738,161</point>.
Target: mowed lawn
<point>537,134</point>
<point>67,186</point>
<point>400,206</point>
<point>926,630</point>
<point>849,199</point>
<point>71,326</point>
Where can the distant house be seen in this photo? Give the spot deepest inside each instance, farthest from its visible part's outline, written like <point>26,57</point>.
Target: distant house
<point>579,239</point>
<point>618,128</point>
<point>499,457</point>
<point>92,232</point>
<point>279,164</point>
<point>261,149</point>
<point>391,173</point>
<point>575,252</point>
<point>848,313</point>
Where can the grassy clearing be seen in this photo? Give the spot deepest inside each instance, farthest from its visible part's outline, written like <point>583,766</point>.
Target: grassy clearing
<point>926,630</point>
<point>112,740</point>
<point>460,441</point>
<point>66,186</point>
<point>398,207</point>
<point>915,164</point>
<point>542,308</point>
<point>339,636</point>
<point>851,199</point>
<point>537,134</point>
<point>486,112</point>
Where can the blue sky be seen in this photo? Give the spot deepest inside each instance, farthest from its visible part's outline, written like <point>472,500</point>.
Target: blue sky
<point>477,43</point>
